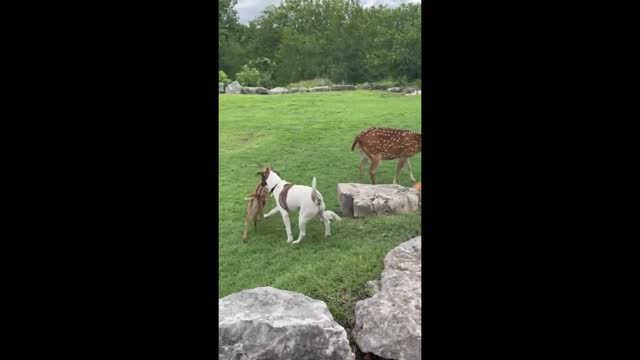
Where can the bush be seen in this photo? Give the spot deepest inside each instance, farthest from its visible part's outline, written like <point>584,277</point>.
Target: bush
<point>311,83</point>
<point>248,76</point>
<point>223,78</point>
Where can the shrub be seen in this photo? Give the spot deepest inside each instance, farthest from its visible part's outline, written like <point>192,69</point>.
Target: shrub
<point>248,76</point>
<point>223,78</point>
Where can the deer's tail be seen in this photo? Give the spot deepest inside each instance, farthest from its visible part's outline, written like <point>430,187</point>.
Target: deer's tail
<point>355,141</point>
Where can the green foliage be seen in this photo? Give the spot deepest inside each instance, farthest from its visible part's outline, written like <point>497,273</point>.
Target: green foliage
<point>222,77</point>
<point>311,83</point>
<point>248,76</point>
<point>335,39</point>
<point>253,129</point>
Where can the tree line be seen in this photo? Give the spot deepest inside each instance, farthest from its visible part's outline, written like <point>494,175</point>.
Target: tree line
<point>335,39</point>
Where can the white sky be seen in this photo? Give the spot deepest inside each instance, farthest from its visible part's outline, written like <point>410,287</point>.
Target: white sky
<point>250,9</point>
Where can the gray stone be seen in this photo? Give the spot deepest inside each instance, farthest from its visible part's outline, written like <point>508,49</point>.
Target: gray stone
<point>233,88</point>
<point>267,323</point>
<point>409,90</point>
<point>254,90</point>
<point>394,89</point>
<point>342,87</point>
<point>298,89</point>
<point>414,93</point>
<point>278,90</point>
<point>220,88</point>
<point>320,88</point>
<point>388,324</point>
<point>358,200</point>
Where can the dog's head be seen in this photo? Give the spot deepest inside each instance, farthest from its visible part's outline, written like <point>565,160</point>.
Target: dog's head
<point>265,173</point>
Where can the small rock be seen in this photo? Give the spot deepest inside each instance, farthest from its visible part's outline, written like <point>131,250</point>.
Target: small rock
<point>342,87</point>
<point>220,88</point>
<point>277,91</point>
<point>320,88</point>
<point>298,90</point>
<point>254,90</point>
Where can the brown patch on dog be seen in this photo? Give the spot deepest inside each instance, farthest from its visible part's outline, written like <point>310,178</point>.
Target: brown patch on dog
<point>283,196</point>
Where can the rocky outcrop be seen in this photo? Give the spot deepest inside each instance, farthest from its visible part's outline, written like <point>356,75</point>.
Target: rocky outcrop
<point>389,323</point>
<point>358,200</point>
<point>254,90</point>
<point>220,88</point>
<point>233,88</point>
<point>277,91</point>
<point>268,323</point>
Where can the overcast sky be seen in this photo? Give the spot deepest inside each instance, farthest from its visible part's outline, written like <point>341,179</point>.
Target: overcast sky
<point>250,9</point>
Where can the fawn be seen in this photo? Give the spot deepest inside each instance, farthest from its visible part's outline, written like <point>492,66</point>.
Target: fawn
<point>257,202</point>
<point>377,144</point>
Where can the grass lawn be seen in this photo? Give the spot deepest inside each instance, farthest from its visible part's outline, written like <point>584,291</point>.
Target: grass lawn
<point>302,136</point>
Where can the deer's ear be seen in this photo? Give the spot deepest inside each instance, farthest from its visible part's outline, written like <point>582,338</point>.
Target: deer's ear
<point>259,173</point>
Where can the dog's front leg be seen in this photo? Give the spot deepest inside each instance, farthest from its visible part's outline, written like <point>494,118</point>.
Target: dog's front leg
<point>287,225</point>
<point>273,211</point>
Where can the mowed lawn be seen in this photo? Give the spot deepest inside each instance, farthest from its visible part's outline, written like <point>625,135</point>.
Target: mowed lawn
<point>302,136</point>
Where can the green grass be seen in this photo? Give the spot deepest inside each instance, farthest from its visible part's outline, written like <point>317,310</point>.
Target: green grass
<point>302,136</point>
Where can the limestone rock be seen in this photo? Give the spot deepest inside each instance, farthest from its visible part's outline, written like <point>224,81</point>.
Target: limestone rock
<point>388,324</point>
<point>342,87</point>
<point>254,90</point>
<point>394,89</point>
<point>268,323</point>
<point>233,88</point>
<point>359,200</point>
<point>298,89</point>
<point>278,90</point>
<point>320,88</point>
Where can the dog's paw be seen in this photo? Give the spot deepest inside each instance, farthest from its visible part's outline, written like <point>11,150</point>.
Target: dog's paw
<point>296,242</point>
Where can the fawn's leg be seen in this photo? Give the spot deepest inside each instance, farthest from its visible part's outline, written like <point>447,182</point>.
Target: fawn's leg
<point>411,170</point>
<point>401,162</point>
<point>363,161</point>
<point>372,171</point>
<point>246,225</point>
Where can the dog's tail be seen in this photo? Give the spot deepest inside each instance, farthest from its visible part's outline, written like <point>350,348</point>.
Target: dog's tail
<point>355,141</point>
<point>315,195</point>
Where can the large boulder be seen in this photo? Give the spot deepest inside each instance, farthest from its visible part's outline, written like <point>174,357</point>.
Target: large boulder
<point>320,88</point>
<point>278,90</point>
<point>268,323</point>
<point>298,89</point>
<point>342,87</point>
<point>395,89</point>
<point>388,324</point>
<point>220,88</point>
<point>358,200</point>
<point>254,90</point>
<point>233,88</point>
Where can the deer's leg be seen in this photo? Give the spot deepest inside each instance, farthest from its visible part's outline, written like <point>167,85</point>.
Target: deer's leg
<point>363,161</point>
<point>372,171</point>
<point>246,225</point>
<point>410,170</point>
<point>401,162</point>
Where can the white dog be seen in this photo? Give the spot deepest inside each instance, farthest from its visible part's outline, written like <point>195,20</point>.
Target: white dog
<point>291,197</point>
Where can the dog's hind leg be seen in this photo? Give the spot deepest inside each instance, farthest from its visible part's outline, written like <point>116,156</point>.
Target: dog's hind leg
<point>302,224</point>
<point>327,224</point>
<point>287,224</point>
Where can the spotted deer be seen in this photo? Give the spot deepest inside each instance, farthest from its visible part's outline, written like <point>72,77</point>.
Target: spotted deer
<point>377,144</point>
